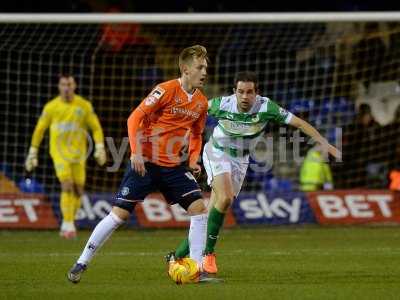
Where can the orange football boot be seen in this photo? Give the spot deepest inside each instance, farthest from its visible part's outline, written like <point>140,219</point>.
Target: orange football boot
<point>209,263</point>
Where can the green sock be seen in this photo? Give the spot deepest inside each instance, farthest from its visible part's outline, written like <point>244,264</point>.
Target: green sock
<point>214,224</point>
<point>183,249</point>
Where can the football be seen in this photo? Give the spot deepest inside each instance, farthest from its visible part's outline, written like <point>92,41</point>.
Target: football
<point>185,270</point>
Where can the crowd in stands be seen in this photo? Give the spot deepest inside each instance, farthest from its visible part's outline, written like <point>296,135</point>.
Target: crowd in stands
<point>324,73</point>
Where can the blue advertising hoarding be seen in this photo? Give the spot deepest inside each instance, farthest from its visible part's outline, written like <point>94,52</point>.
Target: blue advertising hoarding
<point>273,208</point>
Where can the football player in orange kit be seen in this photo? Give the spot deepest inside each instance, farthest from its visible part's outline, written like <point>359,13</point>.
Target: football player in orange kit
<point>170,117</point>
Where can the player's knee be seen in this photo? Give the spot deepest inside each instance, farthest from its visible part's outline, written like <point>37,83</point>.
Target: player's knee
<point>225,201</point>
<point>197,207</point>
<point>121,213</point>
<point>78,190</point>
<point>67,186</point>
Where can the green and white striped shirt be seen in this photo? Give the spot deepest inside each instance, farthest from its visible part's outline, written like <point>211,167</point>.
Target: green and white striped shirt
<point>237,131</point>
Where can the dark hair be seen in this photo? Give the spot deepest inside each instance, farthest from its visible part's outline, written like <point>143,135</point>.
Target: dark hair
<point>364,109</point>
<point>247,76</point>
<point>64,75</point>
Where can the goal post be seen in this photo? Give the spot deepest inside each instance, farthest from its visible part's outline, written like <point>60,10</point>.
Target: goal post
<point>321,66</point>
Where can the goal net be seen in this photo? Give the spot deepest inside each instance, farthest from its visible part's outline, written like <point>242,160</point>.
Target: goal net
<point>340,76</point>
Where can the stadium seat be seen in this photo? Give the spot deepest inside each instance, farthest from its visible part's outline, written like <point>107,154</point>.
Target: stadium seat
<point>278,184</point>
<point>301,105</point>
<point>30,185</point>
<point>258,176</point>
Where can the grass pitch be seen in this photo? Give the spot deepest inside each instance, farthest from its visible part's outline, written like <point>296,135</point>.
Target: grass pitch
<point>261,263</point>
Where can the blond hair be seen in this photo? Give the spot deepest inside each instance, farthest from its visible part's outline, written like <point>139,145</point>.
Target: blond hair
<point>188,54</point>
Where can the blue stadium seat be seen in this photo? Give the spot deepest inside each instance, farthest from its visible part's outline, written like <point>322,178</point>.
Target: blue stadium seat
<point>253,176</point>
<point>301,105</point>
<point>278,184</point>
<point>30,185</point>
<point>336,105</point>
<point>150,75</point>
<point>285,94</point>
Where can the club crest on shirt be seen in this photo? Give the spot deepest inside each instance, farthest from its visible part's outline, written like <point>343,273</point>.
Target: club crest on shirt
<point>78,111</point>
<point>154,96</point>
<point>255,118</point>
<point>229,115</point>
<point>125,191</point>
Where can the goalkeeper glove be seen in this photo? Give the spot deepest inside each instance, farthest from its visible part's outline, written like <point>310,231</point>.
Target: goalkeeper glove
<point>100,154</point>
<point>31,161</point>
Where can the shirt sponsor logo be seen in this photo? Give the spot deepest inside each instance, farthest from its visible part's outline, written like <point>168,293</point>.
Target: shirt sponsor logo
<point>238,125</point>
<point>186,112</point>
<point>66,126</point>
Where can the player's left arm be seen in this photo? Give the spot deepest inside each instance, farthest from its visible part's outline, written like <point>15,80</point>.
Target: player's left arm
<point>195,142</point>
<point>98,136</point>
<point>281,115</point>
<point>315,135</point>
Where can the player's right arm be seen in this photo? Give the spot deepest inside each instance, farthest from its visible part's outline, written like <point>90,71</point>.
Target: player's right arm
<point>43,123</point>
<point>151,104</point>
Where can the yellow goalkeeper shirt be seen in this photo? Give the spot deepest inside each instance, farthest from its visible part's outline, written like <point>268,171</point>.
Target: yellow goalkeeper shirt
<point>68,123</point>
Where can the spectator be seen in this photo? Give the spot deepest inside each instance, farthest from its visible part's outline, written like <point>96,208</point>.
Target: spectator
<point>390,147</point>
<point>369,55</point>
<point>392,61</point>
<point>315,173</point>
<point>394,180</point>
<point>360,139</point>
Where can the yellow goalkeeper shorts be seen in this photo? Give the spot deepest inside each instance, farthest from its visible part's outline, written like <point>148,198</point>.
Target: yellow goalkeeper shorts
<point>67,171</point>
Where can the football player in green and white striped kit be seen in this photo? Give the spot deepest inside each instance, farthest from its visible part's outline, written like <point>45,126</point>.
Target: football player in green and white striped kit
<point>242,118</point>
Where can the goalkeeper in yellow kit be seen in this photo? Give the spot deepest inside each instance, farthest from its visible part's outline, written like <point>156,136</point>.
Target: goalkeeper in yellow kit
<point>68,115</point>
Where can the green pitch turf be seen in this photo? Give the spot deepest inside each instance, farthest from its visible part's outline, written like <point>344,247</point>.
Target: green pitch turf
<point>273,263</point>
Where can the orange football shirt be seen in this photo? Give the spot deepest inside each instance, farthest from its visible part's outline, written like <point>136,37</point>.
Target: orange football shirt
<point>173,120</point>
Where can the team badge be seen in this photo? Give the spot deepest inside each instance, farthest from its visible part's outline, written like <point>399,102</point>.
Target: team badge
<point>125,191</point>
<point>78,111</point>
<point>256,118</point>
<point>154,96</point>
